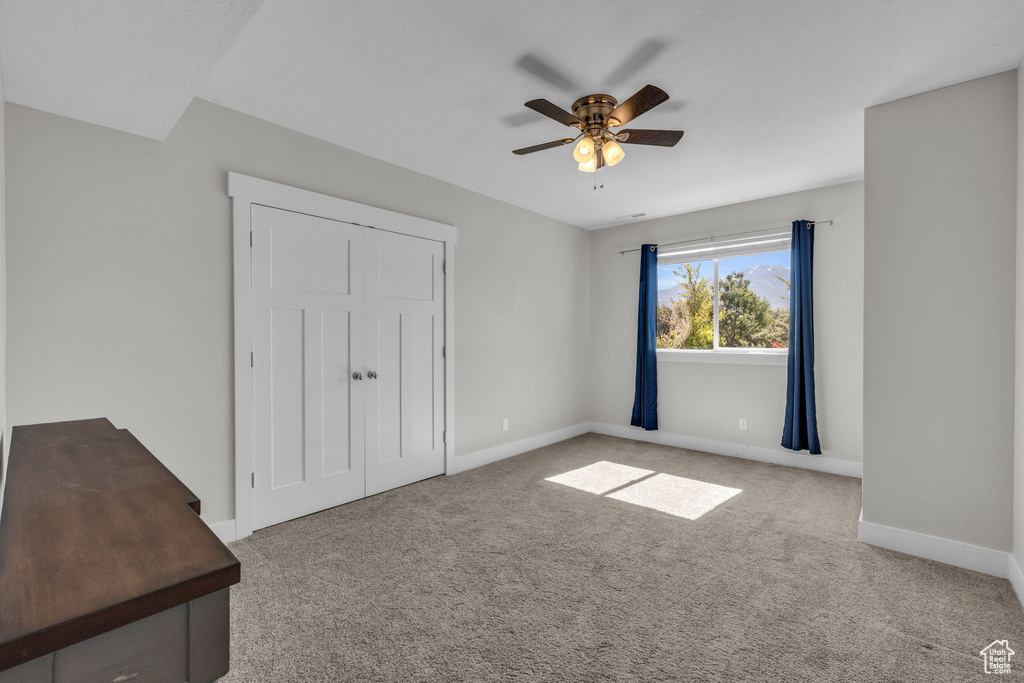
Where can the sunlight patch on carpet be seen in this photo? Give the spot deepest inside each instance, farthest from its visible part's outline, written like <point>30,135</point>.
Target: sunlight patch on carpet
<point>600,477</point>
<point>677,496</point>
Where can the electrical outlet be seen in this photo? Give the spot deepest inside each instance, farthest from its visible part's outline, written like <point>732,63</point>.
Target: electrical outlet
<point>743,424</point>
<point>504,425</point>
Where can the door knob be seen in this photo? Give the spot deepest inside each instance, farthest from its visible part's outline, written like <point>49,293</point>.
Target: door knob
<point>357,375</point>
<point>372,374</point>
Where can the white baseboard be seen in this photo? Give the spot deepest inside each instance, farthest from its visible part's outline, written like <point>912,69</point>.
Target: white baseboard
<point>1016,577</point>
<point>847,468</point>
<point>984,560</point>
<point>486,456</point>
<point>506,450</point>
<point>225,531</point>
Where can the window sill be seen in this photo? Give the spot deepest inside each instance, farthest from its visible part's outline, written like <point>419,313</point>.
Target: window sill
<point>722,356</point>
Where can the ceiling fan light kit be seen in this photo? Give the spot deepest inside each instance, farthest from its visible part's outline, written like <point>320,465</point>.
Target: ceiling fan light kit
<point>594,116</point>
<point>612,153</point>
<point>584,150</point>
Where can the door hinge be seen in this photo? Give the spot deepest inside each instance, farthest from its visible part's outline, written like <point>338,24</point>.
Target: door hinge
<point>444,436</point>
<point>444,267</point>
<point>254,480</point>
<point>444,352</point>
<point>250,239</point>
<point>252,359</point>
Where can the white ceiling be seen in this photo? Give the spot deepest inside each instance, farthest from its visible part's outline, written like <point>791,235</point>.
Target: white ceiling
<point>133,65</point>
<point>771,94</point>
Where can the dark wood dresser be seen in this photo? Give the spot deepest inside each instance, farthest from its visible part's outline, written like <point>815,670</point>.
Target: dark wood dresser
<point>107,573</point>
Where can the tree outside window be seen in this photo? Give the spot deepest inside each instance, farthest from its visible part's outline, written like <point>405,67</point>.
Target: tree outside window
<point>753,303</point>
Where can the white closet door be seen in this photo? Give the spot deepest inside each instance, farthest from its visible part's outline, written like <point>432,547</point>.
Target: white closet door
<point>404,340</point>
<point>308,333</point>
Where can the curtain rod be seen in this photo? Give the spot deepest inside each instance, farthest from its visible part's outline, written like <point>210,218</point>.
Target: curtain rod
<point>736,234</point>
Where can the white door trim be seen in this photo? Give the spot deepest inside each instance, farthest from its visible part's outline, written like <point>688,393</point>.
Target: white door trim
<point>246,191</point>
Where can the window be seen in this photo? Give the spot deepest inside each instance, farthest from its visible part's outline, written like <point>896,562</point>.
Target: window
<point>727,294</point>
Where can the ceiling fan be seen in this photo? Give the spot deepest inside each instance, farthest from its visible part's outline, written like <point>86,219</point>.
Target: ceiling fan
<point>595,115</point>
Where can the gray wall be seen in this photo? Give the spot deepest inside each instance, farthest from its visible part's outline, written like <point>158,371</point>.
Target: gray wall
<point>122,294</point>
<point>706,400</point>
<point>940,206</point>
<point>4,436</point>
<point>1018,419</point>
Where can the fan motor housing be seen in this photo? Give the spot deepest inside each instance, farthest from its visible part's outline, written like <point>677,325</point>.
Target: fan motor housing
<point>593,110</point>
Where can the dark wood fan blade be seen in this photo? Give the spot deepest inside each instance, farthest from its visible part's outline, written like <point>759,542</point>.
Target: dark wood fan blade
<point>554,112</point>
<point>662,138</point>
<point>546,145</point>
<point>645,99</point>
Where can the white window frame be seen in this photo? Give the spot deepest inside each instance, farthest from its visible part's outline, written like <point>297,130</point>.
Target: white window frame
<point>718,354</point>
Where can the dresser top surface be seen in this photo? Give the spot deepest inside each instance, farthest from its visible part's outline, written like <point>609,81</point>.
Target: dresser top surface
<point>95,533</point>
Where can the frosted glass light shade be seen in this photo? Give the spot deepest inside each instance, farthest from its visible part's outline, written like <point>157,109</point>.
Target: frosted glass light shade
<point>590,165</point>
<point>584,150</point>
<point>613,154</point>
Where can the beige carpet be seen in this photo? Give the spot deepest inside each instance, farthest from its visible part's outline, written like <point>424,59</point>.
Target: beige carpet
<point>499,575</point>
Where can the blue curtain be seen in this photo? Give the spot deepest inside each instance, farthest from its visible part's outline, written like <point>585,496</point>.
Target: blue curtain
<point>645,401</point>
<point>801,429</point>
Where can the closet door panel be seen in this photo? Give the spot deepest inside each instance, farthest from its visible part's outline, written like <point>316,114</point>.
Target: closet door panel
<point>386,390</point>
<point>421,389</point>
<point>405,333</point>
<point>308,334</point>
<point>287,416</point>
<point>338,408</point>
